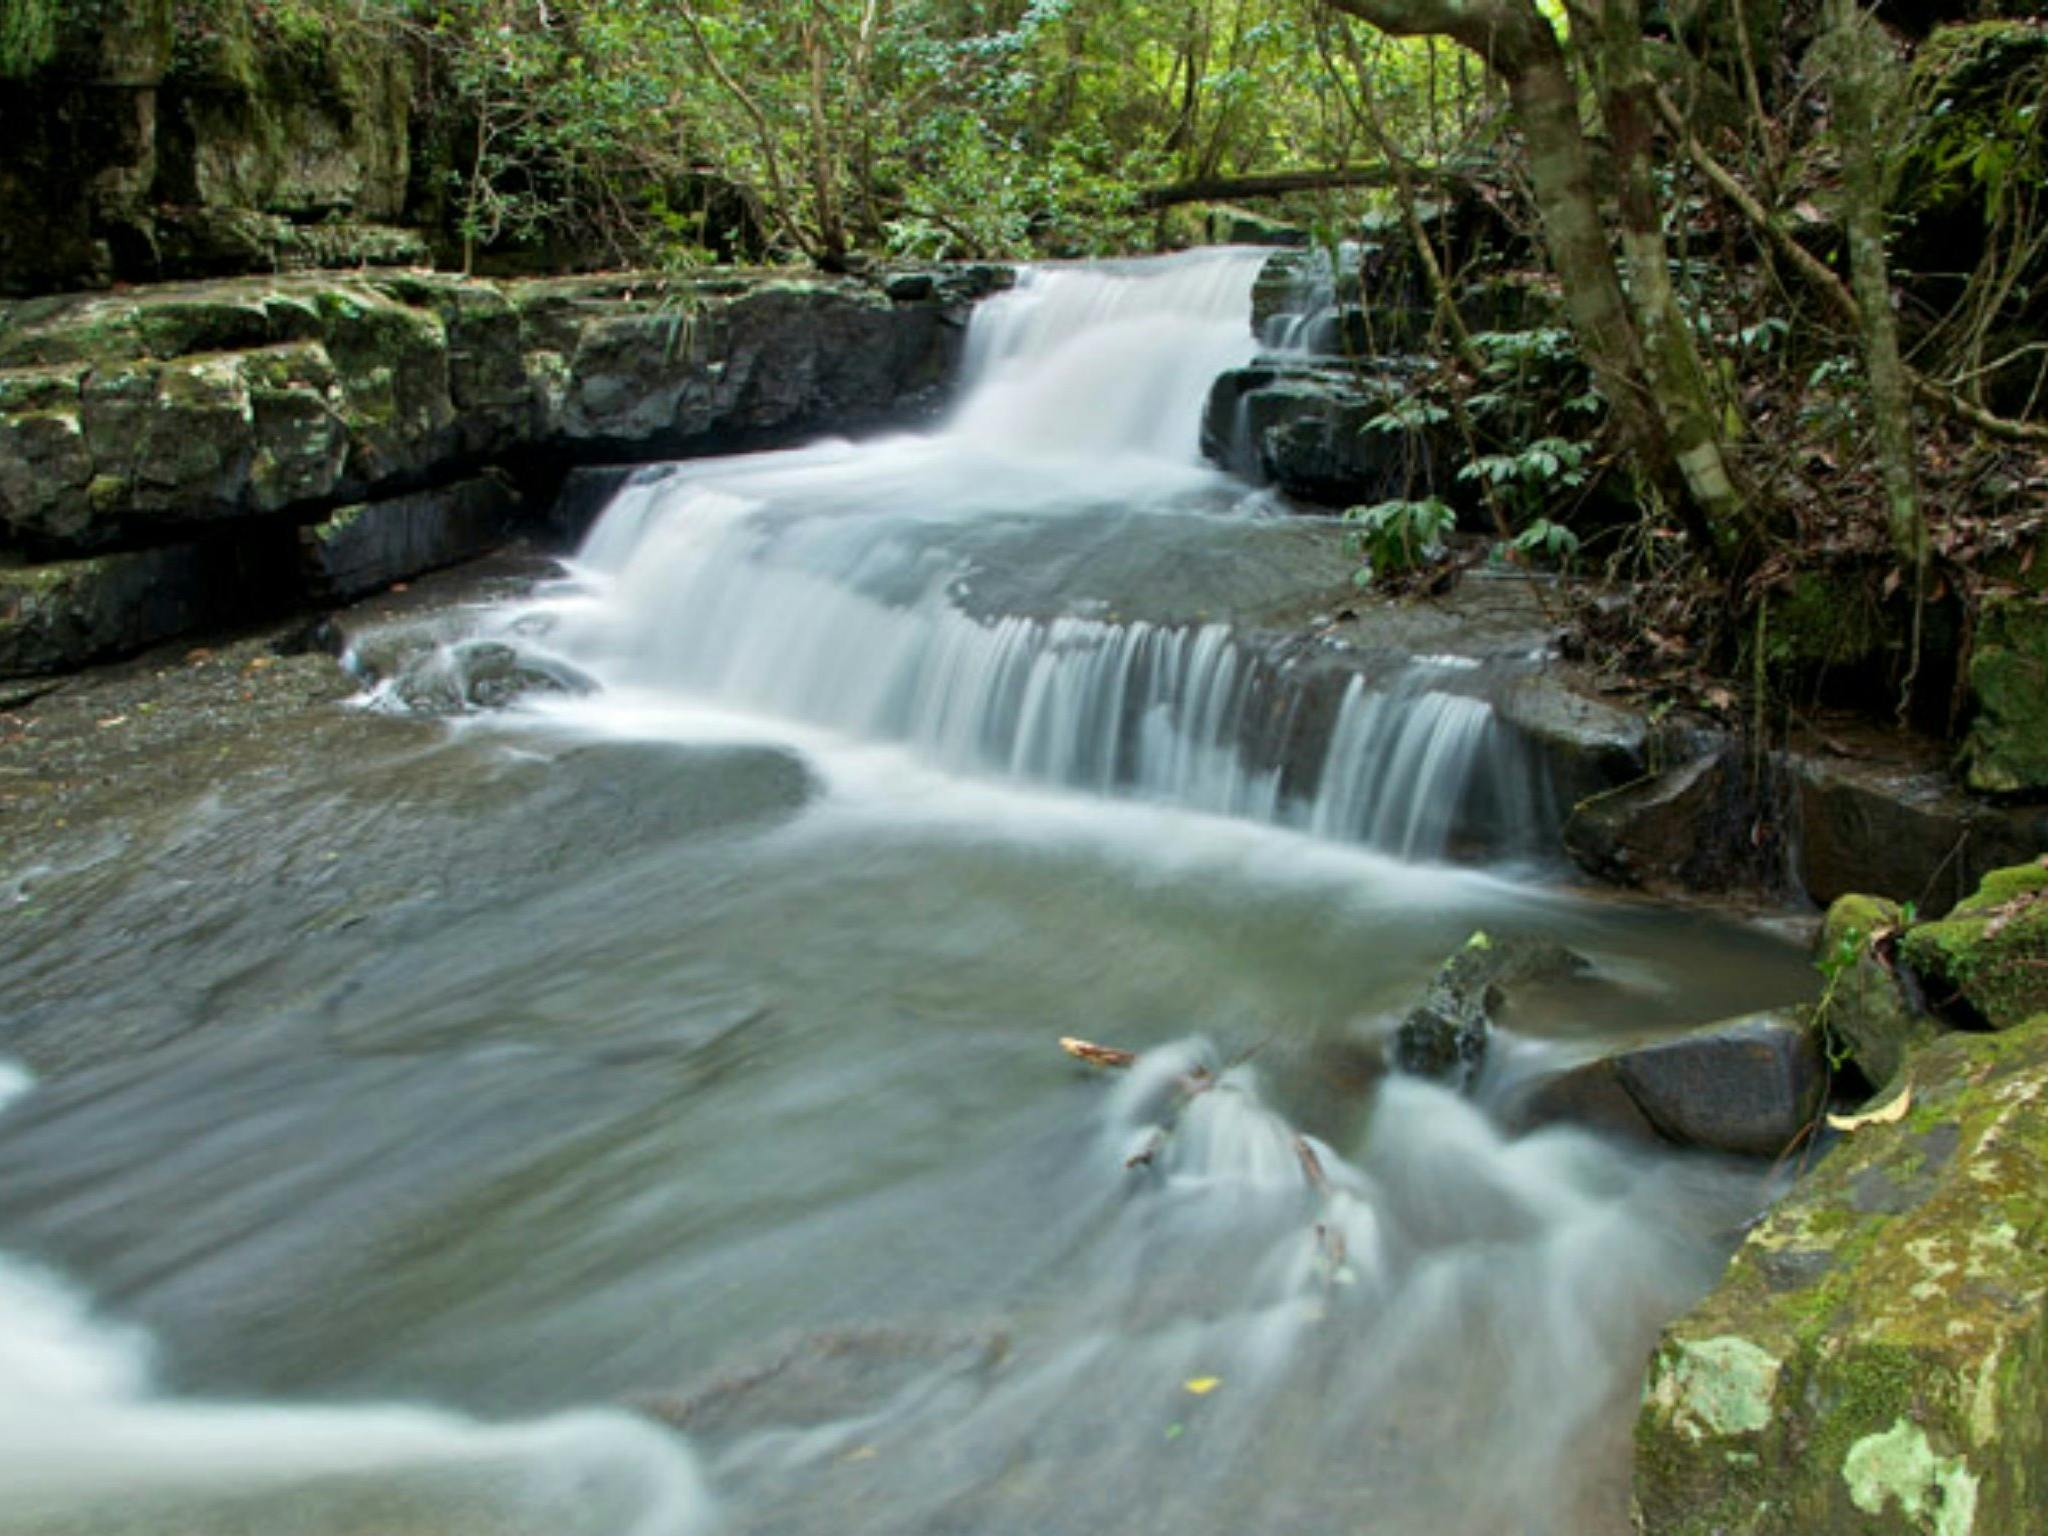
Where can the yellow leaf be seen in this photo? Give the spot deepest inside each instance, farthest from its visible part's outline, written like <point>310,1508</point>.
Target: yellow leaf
<point>1891,1114</point>
<point>1202,1386</point>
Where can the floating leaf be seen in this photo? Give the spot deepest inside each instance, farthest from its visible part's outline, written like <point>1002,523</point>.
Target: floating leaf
<point>1202,1386</point>
<point>1096,1055</point>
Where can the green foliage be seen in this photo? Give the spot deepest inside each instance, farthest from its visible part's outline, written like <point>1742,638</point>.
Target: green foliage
<point>1532,475</point>
<point>921,128</point>
<point>28,35</point>
<point>1396,537</point>
<point>1544,542</point>
<point>1411,413</point>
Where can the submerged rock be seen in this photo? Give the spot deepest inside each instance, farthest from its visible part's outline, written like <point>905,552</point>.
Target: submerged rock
<point>1746,1086</point>
<point>1444,1036</point>
<point>1988,958</point>
<point>1873,1362</point>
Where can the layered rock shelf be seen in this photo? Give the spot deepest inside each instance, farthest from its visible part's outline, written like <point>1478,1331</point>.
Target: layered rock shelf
<point>195,454</point>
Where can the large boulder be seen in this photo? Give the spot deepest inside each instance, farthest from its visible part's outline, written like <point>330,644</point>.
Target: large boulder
<point>1892,826</point>
<point>1988,959</point>
<point>1875,1361</point>
<point>1748,1087</point>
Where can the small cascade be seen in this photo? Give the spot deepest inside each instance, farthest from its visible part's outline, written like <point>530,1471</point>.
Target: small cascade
<point>1411,768</point>
<point>833,588</point>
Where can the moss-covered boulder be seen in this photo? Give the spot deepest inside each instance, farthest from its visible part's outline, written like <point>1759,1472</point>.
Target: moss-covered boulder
<point>1875,1362</point>
<point>1988,959</point>
<point>2006,751</point>
<point>1866,1012</point>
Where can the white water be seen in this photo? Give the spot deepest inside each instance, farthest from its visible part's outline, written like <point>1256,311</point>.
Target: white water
<point>89,1447</point>
<point>1435,1337</point>
<point>1240,1344</point>
<point>835,587</point>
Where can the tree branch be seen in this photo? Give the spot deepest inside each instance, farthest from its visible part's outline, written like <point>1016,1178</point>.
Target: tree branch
<point>1232,189</point>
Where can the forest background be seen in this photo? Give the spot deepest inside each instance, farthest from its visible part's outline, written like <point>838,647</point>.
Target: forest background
<point>1778,363</point>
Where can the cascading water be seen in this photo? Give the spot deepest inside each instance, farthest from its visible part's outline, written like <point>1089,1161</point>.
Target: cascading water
<point>836,588</point>
<point>533,1070</point>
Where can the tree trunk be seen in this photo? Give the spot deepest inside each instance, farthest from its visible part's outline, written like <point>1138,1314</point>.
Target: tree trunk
<point>1522,49</point>
<point>1856,54</point>
<point>1675,374</point>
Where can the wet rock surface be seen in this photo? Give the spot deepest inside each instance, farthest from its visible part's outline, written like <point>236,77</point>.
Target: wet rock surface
<point>1327,433</point>
<point>218,412</point>
<point>1873,1360</point>
<point>1747,1087</point>
<point>1445,1035</point>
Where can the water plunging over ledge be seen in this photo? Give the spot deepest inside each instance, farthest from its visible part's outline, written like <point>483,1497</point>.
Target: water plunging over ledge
<point>837,588</point>
<point>688,1045</point>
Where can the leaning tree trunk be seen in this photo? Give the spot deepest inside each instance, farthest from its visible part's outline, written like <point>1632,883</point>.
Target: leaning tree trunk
<point>1522,49</point>
<point>1677,377</point>
<point>1857,56</point>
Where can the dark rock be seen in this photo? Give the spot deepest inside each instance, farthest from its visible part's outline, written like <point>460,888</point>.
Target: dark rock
<point>1901,830</point>
<point>1650,832</point>
<point>57,617</point>
<point>1745,1086</point>
<point>586,492</point>
<point>1444,1036</point>
<point>1896,1387</point>
<point>361,548</point>
<point>472,674</point>
<point>2006,751</point>
<point>1310,430</point>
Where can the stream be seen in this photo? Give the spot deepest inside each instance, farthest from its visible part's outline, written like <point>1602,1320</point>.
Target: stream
<point>638,1110</point>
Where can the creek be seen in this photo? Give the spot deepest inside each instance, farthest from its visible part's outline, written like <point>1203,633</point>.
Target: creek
<point>639,1109</point>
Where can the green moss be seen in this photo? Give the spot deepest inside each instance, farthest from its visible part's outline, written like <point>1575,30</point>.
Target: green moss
<point>1824,620</point>
<point>1908,1393</point>
<point>1990,954</point>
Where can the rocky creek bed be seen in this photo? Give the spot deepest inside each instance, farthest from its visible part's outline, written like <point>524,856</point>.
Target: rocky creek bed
<point>1870,1362</point>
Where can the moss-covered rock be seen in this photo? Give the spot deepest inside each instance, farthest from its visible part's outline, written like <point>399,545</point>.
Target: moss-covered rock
<point>2006,751</point>
<point>1989,956</point>
<point>1875,1361</point>
<point>1866,1012</point>
<point>54,616</point>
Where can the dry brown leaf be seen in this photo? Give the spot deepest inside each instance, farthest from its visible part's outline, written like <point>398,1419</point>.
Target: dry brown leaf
<point>1311,1165</point>
<point>1890,1114</point>
<point>1096,1055</point>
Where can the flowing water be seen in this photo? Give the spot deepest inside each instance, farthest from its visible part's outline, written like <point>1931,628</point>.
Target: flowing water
<point>640,1111</point>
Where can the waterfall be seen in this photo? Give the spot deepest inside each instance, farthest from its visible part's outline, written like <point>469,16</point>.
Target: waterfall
<point>833,588</point>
